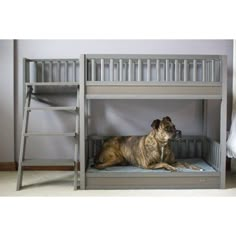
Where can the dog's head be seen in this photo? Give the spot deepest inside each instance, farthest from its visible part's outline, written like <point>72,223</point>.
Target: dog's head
<point>164,129</point>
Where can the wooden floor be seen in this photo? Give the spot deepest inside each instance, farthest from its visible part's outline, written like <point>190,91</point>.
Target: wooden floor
<point>60,183</point>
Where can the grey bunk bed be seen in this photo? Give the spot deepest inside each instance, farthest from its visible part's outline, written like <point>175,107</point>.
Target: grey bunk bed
<point>109,77</point>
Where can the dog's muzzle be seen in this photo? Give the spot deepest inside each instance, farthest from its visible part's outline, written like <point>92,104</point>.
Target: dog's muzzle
<point>178,134</point>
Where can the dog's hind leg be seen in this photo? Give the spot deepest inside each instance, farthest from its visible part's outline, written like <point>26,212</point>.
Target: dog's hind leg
<point>112,160</point>
<point>186,165</point>
<point>162,165</point>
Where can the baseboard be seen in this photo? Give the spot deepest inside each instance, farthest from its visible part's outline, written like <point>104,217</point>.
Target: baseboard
<point>12,166</point>
<point>8,166</point>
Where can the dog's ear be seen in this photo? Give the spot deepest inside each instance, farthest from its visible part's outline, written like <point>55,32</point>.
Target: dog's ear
<point>167,118</point>
<point>155,124</point>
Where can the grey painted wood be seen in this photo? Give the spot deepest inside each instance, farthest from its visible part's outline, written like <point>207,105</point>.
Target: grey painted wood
<point>110,174</point>
<point>135,96</point>
<point>54,60</point>
<point>212,70</point>
<point>152,56</point>
<point>223,122</point>
<point>102,70</point>
<point>49,134</point>
<point>139,70</point>
<point>66,71</point>
<point>76,152</point>
<point>203,70</point>
<point>156,91</point>
<point>148,70</point>
<point>83,78</point>
<point>162,182</point>
<point>121,70</point>
<point>111,70</point>
<point>167,71</point>
<point>194,70</point>
<point>158,69</point>
<point>174,85</point>
<point>66,84</point>
<point>68,108</point>
<point>23,140</point>
<point>153,83</point>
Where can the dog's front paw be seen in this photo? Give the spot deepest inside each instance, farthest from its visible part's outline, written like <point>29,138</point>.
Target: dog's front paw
<point>171,168</point>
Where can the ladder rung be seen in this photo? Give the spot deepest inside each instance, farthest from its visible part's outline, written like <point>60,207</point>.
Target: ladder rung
<point>68,108</point>
<point>48,162</point>
<point>49,134</point>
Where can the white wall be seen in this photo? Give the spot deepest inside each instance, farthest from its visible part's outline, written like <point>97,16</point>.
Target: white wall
<point>6,101</point>
<point>120,117</point>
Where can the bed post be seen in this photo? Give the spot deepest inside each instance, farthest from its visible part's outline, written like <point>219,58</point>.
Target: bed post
<point>223,120</point>
<point>82,120</point>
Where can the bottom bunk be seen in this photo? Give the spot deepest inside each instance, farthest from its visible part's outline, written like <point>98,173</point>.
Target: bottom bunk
<point>198,150</point>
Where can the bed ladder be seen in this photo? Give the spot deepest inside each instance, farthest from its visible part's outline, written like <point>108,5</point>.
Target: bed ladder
<point>23,162</point>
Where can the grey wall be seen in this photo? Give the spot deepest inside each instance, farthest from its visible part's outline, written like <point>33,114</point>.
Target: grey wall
<point>114,117</point>
<point>6,101</point>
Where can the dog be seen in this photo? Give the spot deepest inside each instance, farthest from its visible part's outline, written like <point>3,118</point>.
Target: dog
<point>152,151</point>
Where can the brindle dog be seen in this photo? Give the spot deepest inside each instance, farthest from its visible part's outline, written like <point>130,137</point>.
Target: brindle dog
<point>151,151</point>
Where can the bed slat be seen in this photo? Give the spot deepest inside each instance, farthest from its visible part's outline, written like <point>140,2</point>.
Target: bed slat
<point>102,70</point>
<point>158,69</point>
<point>111,70</point>
<point>120,70</point>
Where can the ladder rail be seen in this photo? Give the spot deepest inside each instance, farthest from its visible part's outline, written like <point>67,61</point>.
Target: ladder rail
<point>23,139</point>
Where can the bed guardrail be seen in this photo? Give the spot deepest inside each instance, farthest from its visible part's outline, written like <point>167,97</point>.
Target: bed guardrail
<point>185,148</point>
<point>51,70</point>
<point>156,68</point>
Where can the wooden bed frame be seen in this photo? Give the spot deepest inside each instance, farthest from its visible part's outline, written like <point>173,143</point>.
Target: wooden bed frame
<point>198,77</point>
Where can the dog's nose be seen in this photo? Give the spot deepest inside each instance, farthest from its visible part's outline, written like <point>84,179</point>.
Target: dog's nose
<point>178,134</point>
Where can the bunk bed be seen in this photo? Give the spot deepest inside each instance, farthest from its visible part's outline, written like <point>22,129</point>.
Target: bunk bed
<point>174,77</point>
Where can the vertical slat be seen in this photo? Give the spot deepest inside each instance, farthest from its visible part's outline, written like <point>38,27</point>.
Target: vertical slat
<point>111,70</point>
<point>77,120</point>
<point>139,70</point>
<point>121,70</point>
<point>185,70</point>
<point>171,71</point>
<point>130,69</point>
<point>125,71</point>
<point>203,70</point>
<point>167,70</point>
<point>50,79</point>
<point>83,77</point>
<point>212,71</point>
<point>148,70</point>
<point>194,70</point>
<point>66,72</point>
<point>102,70</point>
<point>176,71</point>
<point>180,70</point>
<point>58,72</point>
<point>223,122</point>
<point>158,69</point>
<point>37,72</point>
<point>116,71</point>
<point>94,147</point>
<point>42,72</point>
<point>93,70</point>
<point>74,71</point>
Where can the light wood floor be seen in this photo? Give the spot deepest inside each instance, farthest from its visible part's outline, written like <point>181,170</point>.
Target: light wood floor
<point>60,183</point>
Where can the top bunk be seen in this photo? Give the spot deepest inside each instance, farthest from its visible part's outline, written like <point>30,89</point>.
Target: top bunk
<point>116,76</point>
